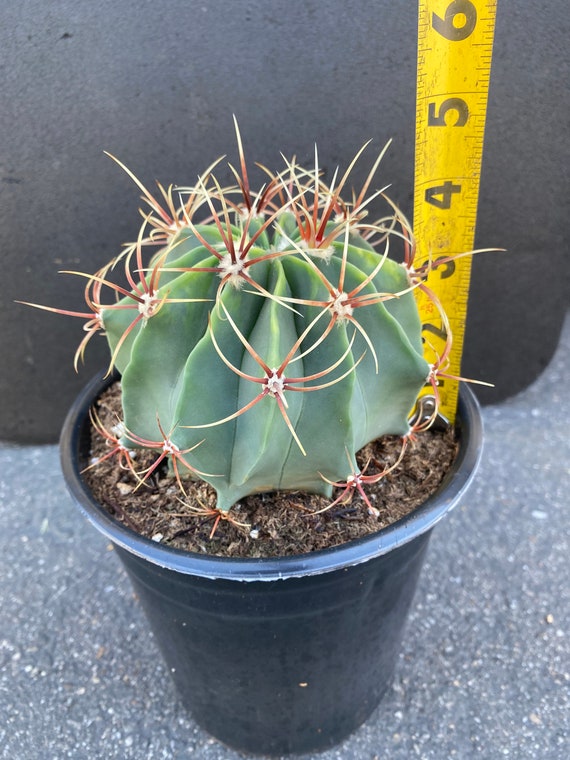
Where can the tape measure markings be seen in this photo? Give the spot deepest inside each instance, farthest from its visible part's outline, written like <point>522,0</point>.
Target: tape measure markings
<point>455,39</point>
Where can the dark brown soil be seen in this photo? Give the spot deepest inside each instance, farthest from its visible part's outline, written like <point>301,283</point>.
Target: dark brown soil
<point>271,524</point>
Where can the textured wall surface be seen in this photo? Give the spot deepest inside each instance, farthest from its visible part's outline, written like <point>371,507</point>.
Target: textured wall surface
<point>156,84</point>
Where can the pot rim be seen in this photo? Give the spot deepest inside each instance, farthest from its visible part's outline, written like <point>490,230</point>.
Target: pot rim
<point>420,521</point>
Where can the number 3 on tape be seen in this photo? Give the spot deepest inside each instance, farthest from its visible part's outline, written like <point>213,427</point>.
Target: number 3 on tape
<point>455,42</point>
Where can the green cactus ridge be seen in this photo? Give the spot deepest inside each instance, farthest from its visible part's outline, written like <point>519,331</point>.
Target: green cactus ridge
<point>270,341</point>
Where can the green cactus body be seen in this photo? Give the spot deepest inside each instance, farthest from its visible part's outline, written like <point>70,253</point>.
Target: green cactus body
<point>187,370</point>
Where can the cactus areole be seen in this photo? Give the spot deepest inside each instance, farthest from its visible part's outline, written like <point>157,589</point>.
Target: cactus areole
<point>264,337</point>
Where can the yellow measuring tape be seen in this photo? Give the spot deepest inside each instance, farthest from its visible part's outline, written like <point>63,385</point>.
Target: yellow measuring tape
<point>455,42</point>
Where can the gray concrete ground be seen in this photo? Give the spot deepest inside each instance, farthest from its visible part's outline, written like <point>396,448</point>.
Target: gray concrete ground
<point>484,670</point>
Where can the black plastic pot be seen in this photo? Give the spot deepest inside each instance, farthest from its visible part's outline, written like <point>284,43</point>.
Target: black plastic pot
<point>276,656</point>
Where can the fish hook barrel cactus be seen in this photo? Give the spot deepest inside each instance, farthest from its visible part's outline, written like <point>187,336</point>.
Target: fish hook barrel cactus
<point>268,337</point>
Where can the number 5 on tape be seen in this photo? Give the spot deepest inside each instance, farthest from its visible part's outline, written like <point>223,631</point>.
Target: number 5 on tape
<point>455,42</point>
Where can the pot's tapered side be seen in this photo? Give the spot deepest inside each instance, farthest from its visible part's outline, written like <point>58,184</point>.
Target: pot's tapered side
<point>287,666</point>
<point>280,655</point>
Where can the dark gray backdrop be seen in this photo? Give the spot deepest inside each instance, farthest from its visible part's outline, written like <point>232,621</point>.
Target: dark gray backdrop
<point>156,83</point>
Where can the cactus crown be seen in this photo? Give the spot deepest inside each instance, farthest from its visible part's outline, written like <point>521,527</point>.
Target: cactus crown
<point>260,347</point>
